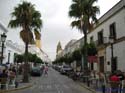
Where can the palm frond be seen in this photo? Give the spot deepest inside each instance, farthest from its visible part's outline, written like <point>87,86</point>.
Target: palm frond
<point>27,17</point>
<point>14,23</point>
<point>85,11</point>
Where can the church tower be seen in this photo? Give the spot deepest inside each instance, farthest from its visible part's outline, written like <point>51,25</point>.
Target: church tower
<point>58,49</point>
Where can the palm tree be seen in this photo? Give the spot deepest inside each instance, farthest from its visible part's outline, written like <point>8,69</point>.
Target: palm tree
<point>84,13</point>
<point>28,19</point>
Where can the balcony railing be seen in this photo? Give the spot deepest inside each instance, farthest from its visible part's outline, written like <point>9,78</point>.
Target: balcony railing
<point>104,41</point>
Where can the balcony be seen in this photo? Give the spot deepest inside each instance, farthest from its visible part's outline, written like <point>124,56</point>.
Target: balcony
<point>102,42</point>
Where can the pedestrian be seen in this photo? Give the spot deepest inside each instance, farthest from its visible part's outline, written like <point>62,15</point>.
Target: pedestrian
<point>121,78</point>
<point>102,81</point>
<point>114,82</point>
<point>42,69</point>
<point>46,70</point>
<point>4,77</point>
<point>12,76</point>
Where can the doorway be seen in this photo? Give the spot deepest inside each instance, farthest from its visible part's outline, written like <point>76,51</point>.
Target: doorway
<point>101,64</point>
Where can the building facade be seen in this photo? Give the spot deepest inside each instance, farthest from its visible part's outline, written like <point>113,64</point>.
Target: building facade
<point>111,24</point>
<point>111,55</point>
<point>11,50</point>
<point>39,52</point>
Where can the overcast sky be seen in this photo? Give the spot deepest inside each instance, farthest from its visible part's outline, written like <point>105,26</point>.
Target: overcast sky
<point>56,23</point>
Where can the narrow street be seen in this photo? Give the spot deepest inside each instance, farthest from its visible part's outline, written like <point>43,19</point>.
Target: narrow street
<point>54,83</point>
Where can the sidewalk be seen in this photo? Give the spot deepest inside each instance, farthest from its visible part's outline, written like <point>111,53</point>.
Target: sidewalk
<point>21,85</point>
<point>99,89</point>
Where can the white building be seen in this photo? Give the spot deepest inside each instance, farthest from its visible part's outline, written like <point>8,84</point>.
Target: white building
<point>39,52</point>
<point>111,23</point>
<point>11,50</point>
<point>72,45</point>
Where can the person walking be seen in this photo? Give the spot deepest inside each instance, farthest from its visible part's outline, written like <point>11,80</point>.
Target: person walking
<point>114,81</point>
<point>121,78</point>
<point>4,77</point>
<point>46,70</point>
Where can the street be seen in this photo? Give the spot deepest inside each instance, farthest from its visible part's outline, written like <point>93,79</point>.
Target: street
<point>54,83</point>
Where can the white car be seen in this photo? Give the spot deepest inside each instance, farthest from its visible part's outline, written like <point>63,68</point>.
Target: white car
<point>65,69</point>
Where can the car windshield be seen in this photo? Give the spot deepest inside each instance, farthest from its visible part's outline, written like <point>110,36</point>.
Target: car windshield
<point>35,68</point>
<point>66,67</point>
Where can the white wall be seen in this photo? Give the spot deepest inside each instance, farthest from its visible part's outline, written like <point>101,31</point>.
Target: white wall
<point>119,18</point>
<point>119,52</point>
<point>119,48</point>
<point>13,48</point>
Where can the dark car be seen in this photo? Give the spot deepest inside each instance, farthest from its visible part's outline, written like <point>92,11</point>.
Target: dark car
<point>36,71</point>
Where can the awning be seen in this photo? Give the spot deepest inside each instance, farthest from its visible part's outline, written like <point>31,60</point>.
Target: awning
<point>93,59</point>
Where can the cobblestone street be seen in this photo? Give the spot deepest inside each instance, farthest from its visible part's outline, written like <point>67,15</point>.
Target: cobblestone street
<point>54,83</point>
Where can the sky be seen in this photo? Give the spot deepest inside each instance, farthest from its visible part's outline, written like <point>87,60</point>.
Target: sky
<point>56,22</point>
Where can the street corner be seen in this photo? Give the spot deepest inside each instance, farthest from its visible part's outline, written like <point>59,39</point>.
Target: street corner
<point>16,89</point>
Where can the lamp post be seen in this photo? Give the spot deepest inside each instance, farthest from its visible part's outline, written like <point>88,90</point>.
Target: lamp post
<point>111,40</point>
<point>3,38</point>
<point>9,56</point>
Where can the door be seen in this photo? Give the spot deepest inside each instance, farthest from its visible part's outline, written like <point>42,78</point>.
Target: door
<point>101,64</point>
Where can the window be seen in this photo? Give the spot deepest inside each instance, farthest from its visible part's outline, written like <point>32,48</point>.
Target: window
<point>92,66</point>
<point>100,37</point>
<point>112,29</point>
<point>91,39</point>
<point>114,64</point>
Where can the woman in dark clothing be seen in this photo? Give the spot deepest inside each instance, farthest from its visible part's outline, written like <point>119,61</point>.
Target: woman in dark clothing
<point>3,77</point>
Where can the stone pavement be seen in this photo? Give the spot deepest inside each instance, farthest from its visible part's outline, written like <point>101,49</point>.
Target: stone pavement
<point>21,85</point>
<point>54,82</point>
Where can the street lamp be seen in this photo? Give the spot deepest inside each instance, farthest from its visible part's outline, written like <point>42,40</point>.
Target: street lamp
<point>111,40</point>
<point>9,56</point>
<point>3,38</point>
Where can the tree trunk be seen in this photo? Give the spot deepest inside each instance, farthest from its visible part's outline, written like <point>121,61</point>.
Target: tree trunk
<point>85,50</point>
<point>26,67</point>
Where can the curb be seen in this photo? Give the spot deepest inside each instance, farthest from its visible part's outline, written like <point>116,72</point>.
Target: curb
<point>88,88</point>
<point>16,89</point>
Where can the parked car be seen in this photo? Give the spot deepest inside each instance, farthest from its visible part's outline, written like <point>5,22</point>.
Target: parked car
<point>36,71</point>
<point>65,69</point>
<point>57,67</point>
